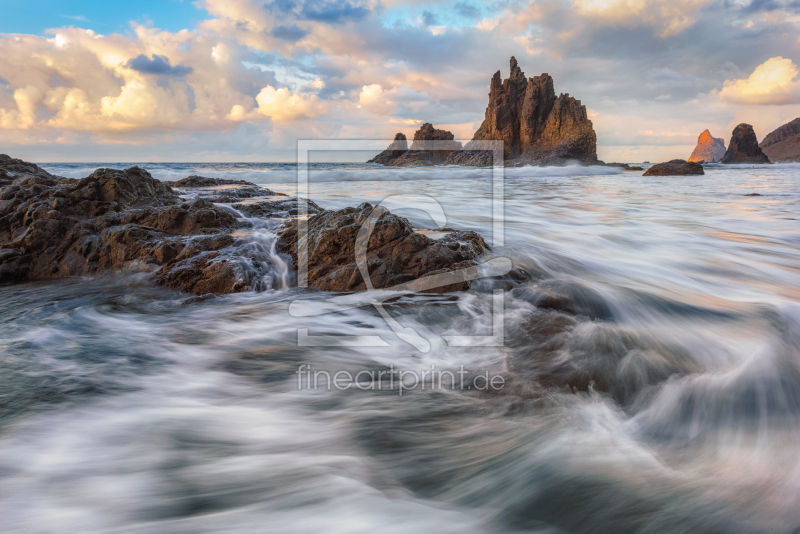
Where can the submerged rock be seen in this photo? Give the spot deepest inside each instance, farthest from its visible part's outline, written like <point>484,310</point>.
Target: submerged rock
<point>783,144</point>
<point>625,166</point>
<point>535,126</point>
<point>676,167</point>
<point>744,147</point>
<point>396,256</point>
<point>709,149</point>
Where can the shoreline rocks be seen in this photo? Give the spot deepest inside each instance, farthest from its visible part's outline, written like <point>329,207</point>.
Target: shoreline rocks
<point>396,254</point>
<point>53,227</point>
<point>783,143</point>
<point>744,147</point>
<point>676,167</point>
<point>430,146</point>
<point>709,149</point>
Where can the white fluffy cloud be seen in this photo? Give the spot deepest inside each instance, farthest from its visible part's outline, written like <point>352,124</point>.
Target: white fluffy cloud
<point>773,82</point>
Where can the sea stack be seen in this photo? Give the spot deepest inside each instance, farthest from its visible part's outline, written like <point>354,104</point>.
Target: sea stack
<point>709,149</point>
<point>783,144</point>
<point>535,126</point>
<point>431,146</point>
<point>744,147</point>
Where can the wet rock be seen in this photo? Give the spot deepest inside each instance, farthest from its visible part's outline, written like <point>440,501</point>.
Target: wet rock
<point>274,209</point>
<point>568,297</point>
<point>625,166</point>
<point>15,169</point>
<point>109,220</point>
<point>709,149</point>
<point>536,127</point>
<point>202,181</point>
<point>397,148</point>
<point>744,147</point>
<point>676,167</point>
<point>783,144</point>
<point>396,255</point>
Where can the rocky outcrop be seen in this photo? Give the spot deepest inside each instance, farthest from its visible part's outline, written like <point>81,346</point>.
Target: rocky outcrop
<point>676,167</point>
<point>397,148</point>
<point>397,257</point>
<point>54,229</point>
<point>744,147</point>
<point>431,146</point>
<point>625,166</point>
<point>783,144</point>
<point>709,149</point>
<point>536,127</point>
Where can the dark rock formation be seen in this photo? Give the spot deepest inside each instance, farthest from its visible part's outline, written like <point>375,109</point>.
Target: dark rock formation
<point>744,147</point>
<point>277,209</point>
<point>625,166</point>
<point>396,254</point>
<point>396,149</point>
<point>202,181</point>
<point>54,229</point>
<point>536,126</point>
<point>676,167</point>
<point>430,147</point>
<point>709,149</point>
<point>222,190</point>
<point>783,144</point>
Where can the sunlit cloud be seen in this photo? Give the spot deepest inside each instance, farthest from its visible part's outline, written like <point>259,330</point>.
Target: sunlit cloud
<point>773,82</point>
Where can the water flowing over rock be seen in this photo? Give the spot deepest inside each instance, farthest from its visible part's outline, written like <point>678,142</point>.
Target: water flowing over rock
<point>744,147</point>
<point>535,126</point>
<point>676,167</point>
<point>709,149</point>
<point>783,144</point>
<point>430,146</point>
<point>396,255</point>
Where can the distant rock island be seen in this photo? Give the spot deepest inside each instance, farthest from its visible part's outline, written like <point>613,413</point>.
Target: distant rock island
<point>744,147</point>
<point>537,128</point>
<point>709,149</point>
<point>783,144</point>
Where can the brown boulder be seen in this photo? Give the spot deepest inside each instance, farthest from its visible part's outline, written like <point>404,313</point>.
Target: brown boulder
<point>783,144</point>
<point>744,147</point>
<point>397,257</point>
<point>676,167</point>
<point>709,149</point>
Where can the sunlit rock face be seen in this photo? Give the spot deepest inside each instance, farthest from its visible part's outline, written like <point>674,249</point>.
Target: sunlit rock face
<point>709,149</point>
<point>536,127</point>
<point>744,147</point>
<point>783,144</point>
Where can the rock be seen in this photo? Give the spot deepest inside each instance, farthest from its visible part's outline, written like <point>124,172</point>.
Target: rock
<point>278,209</point>
<point>202,181</point>
<point>109,220</point>
<point>676,167</point>
<point>535,126</point>
<point>783,144</point>
<point>709,149</point>
<point>397,148</point>
<point>744,147</point>
<point>396,256</point>
<point>11,169</point>
<point>625,166</point>
<point>430,147</point>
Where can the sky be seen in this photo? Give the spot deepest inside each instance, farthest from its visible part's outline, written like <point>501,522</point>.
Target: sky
<point>244,80</point>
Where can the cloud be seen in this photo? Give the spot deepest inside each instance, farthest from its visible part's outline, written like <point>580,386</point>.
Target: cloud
<point>289,33</point>
<point>773,82</point>
<point>157,65</point>
<point>282,105</point>
<point>670,17</point>
<point>429,18</point>
<point>467,10</point>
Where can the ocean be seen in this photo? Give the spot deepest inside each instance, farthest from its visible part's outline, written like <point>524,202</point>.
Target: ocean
<point>650,368</point>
